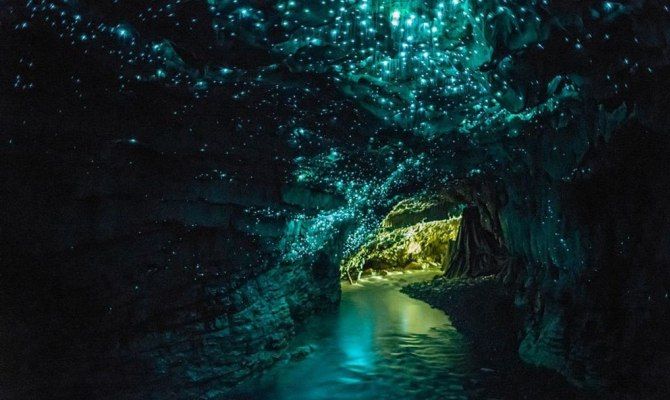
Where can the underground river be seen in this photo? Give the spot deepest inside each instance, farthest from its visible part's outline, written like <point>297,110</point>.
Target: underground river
<point>379,343</point>
<point>383,344</point>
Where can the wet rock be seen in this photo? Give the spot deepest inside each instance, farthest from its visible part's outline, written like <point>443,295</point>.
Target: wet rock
<point>301,352</point>
<point>415,266</point>
<point>476,252</point>
<point>417,246</point>
<point>415,210</point>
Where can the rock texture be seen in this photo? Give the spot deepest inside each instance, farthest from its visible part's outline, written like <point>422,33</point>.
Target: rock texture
<point>143,280</point>
<point>141,249</point>
<point>483,310</point>
<point>574,195</point>
<point>476,252</point>
<point>416,234</point>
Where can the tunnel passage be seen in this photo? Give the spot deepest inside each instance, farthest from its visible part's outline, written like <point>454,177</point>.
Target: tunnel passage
<point>429,233</point>
<point>179,183</point>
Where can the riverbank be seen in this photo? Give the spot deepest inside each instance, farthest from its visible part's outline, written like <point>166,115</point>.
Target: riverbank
<point>482,309</point>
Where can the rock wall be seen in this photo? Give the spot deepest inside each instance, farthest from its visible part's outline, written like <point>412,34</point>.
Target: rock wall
<point>595,275</point>
<point>475,252</point>
<point>141,245</point>
<point>416,234</point>
<point>582,249</point>
<point>578,189</point>
<point>582,221</point>
<point>141,277</point>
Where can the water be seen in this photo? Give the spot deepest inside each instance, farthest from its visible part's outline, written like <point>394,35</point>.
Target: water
<point>379,344</point>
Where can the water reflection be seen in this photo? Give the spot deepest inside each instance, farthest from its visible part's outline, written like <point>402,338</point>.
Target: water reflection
<point>378,344</point>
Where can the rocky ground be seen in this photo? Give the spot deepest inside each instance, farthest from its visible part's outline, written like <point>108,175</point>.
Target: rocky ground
<point>482,309</point>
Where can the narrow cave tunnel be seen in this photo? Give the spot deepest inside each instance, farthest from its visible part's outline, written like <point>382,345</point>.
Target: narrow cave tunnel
<point>417,234</point>
<point>289,199</point>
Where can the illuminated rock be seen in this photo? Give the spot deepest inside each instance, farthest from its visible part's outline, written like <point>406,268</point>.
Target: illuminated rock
<point>412,236</point>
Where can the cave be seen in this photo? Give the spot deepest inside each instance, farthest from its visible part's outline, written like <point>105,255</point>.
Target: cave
<point>290,199</point>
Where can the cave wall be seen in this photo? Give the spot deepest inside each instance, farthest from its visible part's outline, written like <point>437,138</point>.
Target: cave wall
<point>140,277</point>
<point>476,251</point>
<point>591,262</point>
<point>579,191</point>
<point>577,230</point>
<point>139,258</point>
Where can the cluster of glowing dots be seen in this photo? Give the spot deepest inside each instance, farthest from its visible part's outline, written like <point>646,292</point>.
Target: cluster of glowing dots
<point>411,52</point>
<point>138,60</point>
<point>406,59</point>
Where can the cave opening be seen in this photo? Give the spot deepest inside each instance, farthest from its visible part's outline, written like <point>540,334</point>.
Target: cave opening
<point>417,234</point>
<point>435,233</point>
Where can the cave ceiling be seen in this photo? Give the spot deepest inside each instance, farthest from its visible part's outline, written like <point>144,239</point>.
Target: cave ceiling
<point>368,100</point>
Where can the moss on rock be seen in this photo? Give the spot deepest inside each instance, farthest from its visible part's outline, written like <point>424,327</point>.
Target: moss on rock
<point>414,210</point>
<point>420,245</point>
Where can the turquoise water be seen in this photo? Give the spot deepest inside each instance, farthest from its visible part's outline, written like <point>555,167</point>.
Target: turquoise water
<point>379,344</point>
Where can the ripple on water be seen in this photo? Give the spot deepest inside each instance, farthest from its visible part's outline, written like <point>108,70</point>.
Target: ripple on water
<point>380,344</point>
